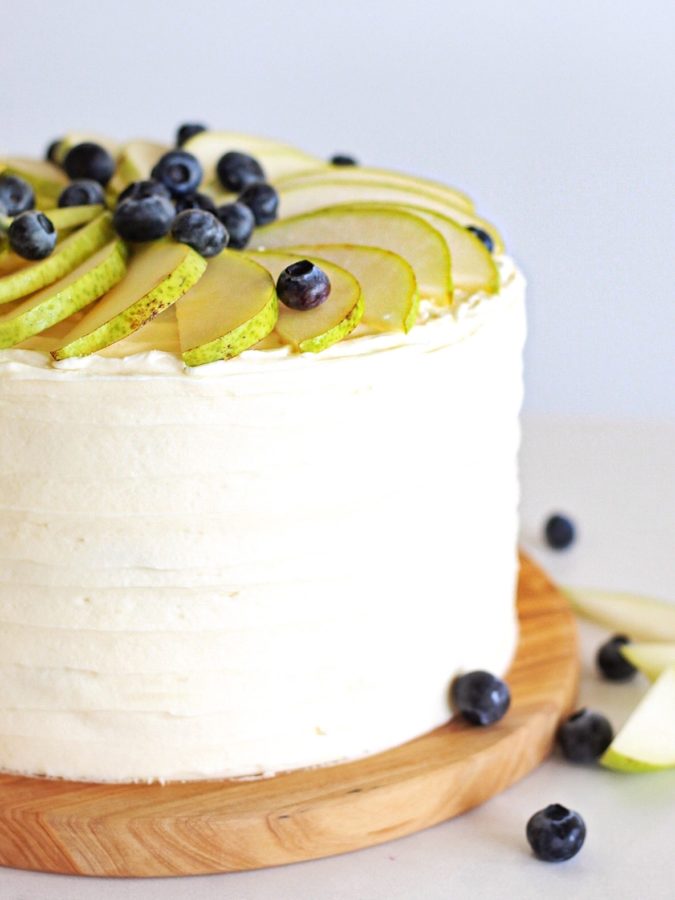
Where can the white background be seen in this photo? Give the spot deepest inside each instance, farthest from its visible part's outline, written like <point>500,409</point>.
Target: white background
<point>557,117</point>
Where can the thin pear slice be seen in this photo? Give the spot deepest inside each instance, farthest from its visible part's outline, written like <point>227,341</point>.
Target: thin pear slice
<point>65,297</point>
<point>313,330</point>
<point>299,197</point>
<point>232,307</point>
<point>352,174</point>
<point>646,743</point>
<point>650,658</point>
<point>390,228</point>
<point>157,276</point>
<point>66,256</point>
<point>390,296</point>
<point>69,217</point>
<point>642,618</point>
<point>47,179</point>
<point>136,161</point>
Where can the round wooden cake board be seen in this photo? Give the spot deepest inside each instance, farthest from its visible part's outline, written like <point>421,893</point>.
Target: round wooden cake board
<point>225,826</point>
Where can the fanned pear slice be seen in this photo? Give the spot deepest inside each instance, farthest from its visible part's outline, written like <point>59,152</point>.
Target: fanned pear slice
<point>299,197</point>
<point>390,296</point>
<point>66,256</point>
<point>354,174</point>
<point>643,618</point>
<point>69,217</point>
<point>650,658</point>
<point>313,330</point>
<point>53,304</point>
<point>232,307</point>
<point>47,179</point>
<point>646,743</point>
<point>387,227</point>
<point>136,161</point>
<point>157,276</point>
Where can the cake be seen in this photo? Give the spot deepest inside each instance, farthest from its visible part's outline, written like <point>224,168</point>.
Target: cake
<point>239,538</point>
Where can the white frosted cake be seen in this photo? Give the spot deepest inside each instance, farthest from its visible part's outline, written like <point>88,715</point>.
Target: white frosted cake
<point>272,561</point>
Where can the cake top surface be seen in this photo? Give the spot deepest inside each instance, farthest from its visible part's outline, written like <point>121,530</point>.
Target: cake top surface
<point>227,244</point>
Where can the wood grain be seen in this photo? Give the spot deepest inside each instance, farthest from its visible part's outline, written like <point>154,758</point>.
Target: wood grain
<point>201,827</point>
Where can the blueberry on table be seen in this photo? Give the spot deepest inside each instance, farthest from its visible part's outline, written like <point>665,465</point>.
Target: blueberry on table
<point>237,171</point>
<point>89,160</point>
<point>342,159</point>
<point>556,833</point>
<point>585,736</point>
<point>185,132</point>
<point>303,286</point>
<point>239,221</point>
<point>52,149</point>
<point>32,235</point>
<point>16,195</point>
<point>559,532</point>
<point>262,200</point>
<point>179,171</point>
<point>138,190</point>
<point>195,201</point>
<point>145,219</point>
<point>201,230</point>
<point>482,236</point>
<point>82,192</point>
<point>480,697</point>
<point>612,663</point>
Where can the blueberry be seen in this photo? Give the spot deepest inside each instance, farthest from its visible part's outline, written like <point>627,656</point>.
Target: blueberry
<point>52,149</point>
<point>585,736</point>
<point>195,201</point>
<point>341,159</point>
<point>32,235</point>
<point>556,833</point>
<point>559,532</point>
<point>82,192</point>
<point>89,160</point>
<point>145,219</point>
<point>185,132</point>
<point>481,697</point>
<point>179,171</point>
<point>138,190</point>
<point>239,221</point>
<point>482,236</point>
<point>262,200</point>
<point>237,171</point>
<point>201,230</point>
<point>303,286</point>
<point>16,194</point>
<point>611,662</point>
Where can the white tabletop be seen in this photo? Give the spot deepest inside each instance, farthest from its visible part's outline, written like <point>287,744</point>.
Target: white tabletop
<point>618,482</point>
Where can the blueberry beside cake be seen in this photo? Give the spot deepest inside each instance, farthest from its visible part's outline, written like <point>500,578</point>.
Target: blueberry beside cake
<point>258,446</point>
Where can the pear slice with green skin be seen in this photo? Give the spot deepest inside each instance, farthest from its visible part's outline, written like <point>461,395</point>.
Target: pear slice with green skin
<point>66,256</point>
<point>386,227</point>
<point>646,743</point>
<point>158,275</point>
<point>643,618</point>
<point>650,658</point>
<point>232,307</point>
<point>356,174</point>
<point>299,197</point>
<point>65,297</point>
<point>135,163</point>
<point>313,330</point>
<point>68,217</point>
<point>47,179</point>
<point>391,298</point>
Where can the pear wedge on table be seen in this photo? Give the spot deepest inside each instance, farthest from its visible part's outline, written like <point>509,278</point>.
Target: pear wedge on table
<point>58,301</point>
<point>642,618</point>
<point>646,743</point>
<point>311,331</point>
<point>158,275</point>
<point>66,256</point>
<point>386,227</point>
<point>651,658</point>
<point>47,179</point>
<point>357,174</point>
<point>302,196</point>
<point>390,295</point>
<point>232,307</point>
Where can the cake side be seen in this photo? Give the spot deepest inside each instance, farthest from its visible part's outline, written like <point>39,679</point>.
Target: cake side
<point>273,563</point>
